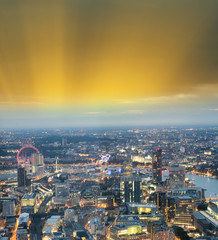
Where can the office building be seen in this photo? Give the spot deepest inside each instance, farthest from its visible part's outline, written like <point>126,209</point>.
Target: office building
<point>61,194</point>
<point>62,190</point>
<point>205,223</point>
<point>158,198</point>
<point>22,179</point>
<point>184,211</point>
<point>157,166</point>
<point>130,189</point>
<point>195,192</point>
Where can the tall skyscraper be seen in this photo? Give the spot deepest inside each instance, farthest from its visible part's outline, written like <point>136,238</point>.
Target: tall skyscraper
<point>130,189</point>
<point>157,166</point>
<point>22,177</point>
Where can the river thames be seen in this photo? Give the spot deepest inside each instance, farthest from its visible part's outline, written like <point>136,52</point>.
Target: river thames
<point>210,184</point>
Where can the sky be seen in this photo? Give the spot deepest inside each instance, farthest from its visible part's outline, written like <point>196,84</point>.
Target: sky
<point>72,63</point>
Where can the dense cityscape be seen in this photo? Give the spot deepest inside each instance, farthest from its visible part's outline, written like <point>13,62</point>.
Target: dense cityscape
<point>145,183</point>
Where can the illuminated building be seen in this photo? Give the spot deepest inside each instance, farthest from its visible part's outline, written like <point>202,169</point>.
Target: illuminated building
<point>131,231</point>
<point>159,198</point>
<point>184,211</point>
<point>127,219</point>
<point>28,203</point>
<point>52,224</point>
<point>157,166</point>
<point>141,159</point>
<point>176,176</point>
<point>130,189</point>
<point>142,208</point>
<point>87,200</point>
<point>127,167</point>
<point>162,233</point>
<point>104,201</point>
<point>146,212</point>
<point>170,208</point>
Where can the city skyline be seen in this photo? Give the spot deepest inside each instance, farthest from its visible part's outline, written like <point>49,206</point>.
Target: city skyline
<point>112,63</point>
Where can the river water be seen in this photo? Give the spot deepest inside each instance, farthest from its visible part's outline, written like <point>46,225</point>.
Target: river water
<point>210,184</point>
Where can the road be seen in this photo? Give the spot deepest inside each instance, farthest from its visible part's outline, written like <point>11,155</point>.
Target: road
<point>43,207</point>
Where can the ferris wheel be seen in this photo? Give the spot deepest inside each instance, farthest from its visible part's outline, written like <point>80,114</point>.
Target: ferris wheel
<point>24,154</point>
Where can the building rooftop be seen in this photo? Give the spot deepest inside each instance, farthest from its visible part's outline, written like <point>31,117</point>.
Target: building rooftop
<point>28,196</point>
<point>142,205</point>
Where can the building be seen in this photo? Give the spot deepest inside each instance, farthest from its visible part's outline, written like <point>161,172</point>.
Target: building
<point>162,233</point>
<point>21,234</point>
<point>61,193</point>
<point>69,215</point>
<point>127,167</point>
<point>157,166</point>
<point>62,190</point>
<point>146,212</point>
<point>37,162</point>
<point>52,224</point>
<point>104,201</point>
<point>127,219</point>
<point>130,189</point>
<point>159,198</point>
<point>74,197</point>
<point>28,203</point>
<point>195,192</point>
<point>96,226</point>
<point>142,208</point>
<point>176,176</point>
<point>87,200</point>
<point>131,231</point>
<point>205,223</point>
<point>22,179</point>
<point>23,221</point>
<point>8,208</point>
<point>184,211</point>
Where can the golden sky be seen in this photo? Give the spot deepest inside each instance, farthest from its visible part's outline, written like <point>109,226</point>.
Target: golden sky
<point>108,57</point>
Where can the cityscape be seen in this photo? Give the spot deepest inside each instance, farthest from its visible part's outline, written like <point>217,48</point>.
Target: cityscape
<point>108,120</point>
<point>145,183</point>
